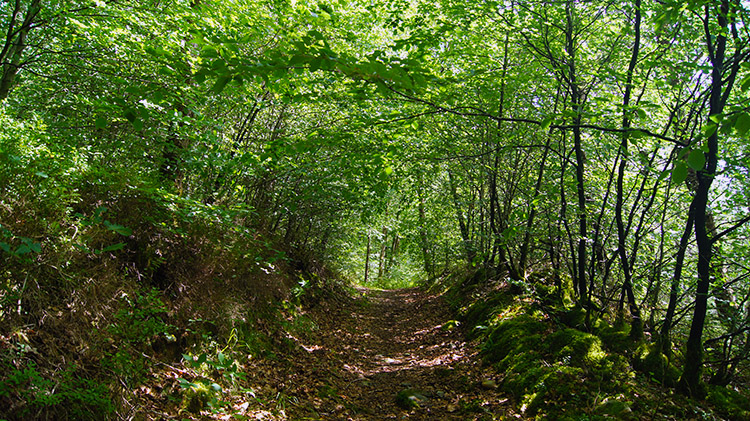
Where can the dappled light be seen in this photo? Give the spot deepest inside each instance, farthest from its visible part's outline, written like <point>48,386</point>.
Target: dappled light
<point>374,210</point>
<point>396,340</point>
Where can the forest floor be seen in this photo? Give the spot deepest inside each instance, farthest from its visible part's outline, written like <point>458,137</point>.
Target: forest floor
<point>391,354</point>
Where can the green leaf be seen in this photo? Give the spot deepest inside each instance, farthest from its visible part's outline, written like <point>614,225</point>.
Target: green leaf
<point>697,159</point>
<point>41,174</point>
<point>315,64</point>
<point>200,360</point>
<point>137,124</point>
<point>745,85</point>
<point>220,84</point>
<point>118,228</point>
<point>709,129</point>
<point>5,247</point>
<point>131,115</point>
<point>22,249</point>
<point>184,383</point>
<point>742,125</point>
<point>100,123</point>
<point>209,52</point>
<point>679,172</point>
<point>36,247</point>
<point>636,134</point>
<point>113,247</point>
<point>215,387</point>
<point>546,123</point>
<point>82,247</point>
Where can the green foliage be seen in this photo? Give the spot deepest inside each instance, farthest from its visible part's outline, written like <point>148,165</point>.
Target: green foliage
<point>140,317</point>
<point>208,147</point>
<point>210,372</point>
<point>729,403</point>
<point>68,395</point>
<point>137,323</point>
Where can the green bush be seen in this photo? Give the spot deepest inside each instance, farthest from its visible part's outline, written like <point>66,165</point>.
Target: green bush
<point>68,396</point>
<point>137,323</point>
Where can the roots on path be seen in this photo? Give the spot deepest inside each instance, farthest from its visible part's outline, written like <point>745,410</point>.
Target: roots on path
<point>392,354</point>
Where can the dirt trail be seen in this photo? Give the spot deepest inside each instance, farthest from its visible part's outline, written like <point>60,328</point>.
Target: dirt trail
<point>390,342</point>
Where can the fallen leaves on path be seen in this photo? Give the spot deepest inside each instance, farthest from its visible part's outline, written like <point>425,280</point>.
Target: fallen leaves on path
<point>391,354</point>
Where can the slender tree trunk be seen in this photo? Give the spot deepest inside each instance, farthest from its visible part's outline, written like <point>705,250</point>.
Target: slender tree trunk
<point>383,252</point>
<point>496,223</point>
<point>674,291</point>
<point>690,382</point>
<point>468,247</point>
<point>367,257</point>
<point>15,44</point>
<point>425,246</point>
<point>392,254</point>
<point>636,330</point>
<point>577,99</point>
<point>523,254</point>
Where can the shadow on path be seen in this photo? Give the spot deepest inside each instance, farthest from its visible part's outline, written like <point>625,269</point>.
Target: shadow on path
<point>394,341</point>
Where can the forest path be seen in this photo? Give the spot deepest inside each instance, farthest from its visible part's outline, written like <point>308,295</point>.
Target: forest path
<point>391,343</point>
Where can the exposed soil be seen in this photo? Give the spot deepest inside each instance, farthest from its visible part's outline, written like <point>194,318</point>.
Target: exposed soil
<point>391,354</point>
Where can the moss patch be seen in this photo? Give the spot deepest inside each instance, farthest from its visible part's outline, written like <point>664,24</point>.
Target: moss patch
<point>650,361</point>
<point>729,403</point>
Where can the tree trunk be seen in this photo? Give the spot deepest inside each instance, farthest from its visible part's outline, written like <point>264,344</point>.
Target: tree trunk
<point>524,252</point>
<point>674,291</point>
<point>576,97</point>
<point>425,246</point>
<point>15,44</point>
<point>690,382</point>
<point>468,246</point>
<point>367,258</point>
<point>636,330</point>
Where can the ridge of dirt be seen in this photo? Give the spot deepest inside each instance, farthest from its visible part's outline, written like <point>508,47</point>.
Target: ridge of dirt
<point>389,344</point>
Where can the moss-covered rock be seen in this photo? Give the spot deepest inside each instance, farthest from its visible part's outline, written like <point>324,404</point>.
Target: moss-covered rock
<point>574,317</point>
<point>614,338</point>
<point>481,311</point>
<point>652,362</point>
<point>614,408</point>
<point>196,397</point>
<point>520,334</point>
<point>575,347</point>
<point>410,398</point>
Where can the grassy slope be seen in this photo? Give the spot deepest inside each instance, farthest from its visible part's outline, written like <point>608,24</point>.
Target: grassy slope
<point>138,301</point>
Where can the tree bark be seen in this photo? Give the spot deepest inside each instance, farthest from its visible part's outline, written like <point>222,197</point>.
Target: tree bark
<point>636,330</point>
<point>576,97</point>
<point>367,258</point>
<point>468,246</point>
<point>15,44</point>
<point>690,382</point>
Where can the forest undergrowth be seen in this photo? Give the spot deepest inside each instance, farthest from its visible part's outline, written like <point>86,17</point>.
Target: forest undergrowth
<point>196,319</point>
